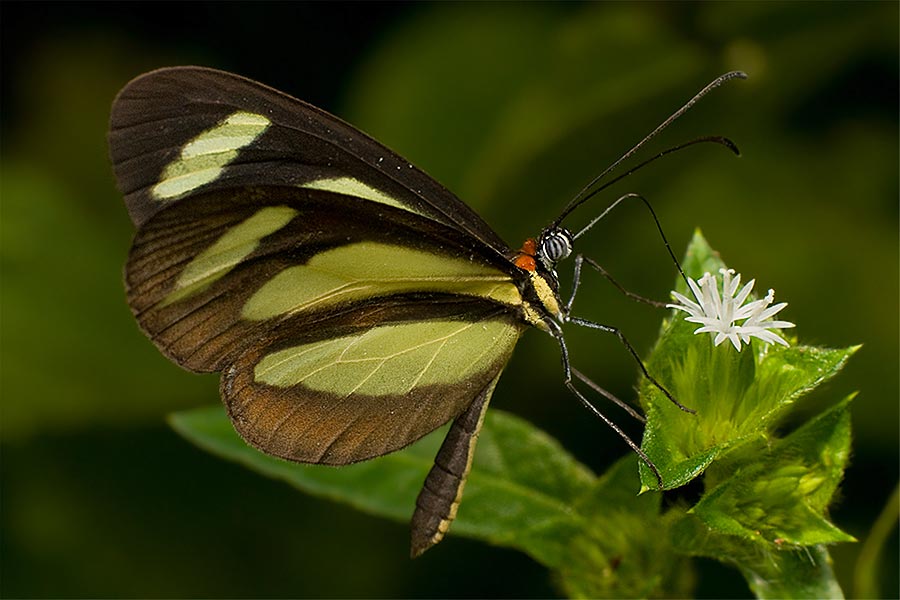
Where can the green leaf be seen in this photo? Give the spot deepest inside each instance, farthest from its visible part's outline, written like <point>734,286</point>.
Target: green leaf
<point>801,573</point>
<point>524,492</point>
<point>624,549</point>
<point>790,572</point>
<point>781,497</point>
<point>780,571</point>
<point>739,396</point>
<point>698,259</point>
<point>519,493</point>
<point>768,518</point>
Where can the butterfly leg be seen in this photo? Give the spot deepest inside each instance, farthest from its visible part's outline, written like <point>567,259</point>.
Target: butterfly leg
<point>608,395</point>
<point>567,368</point>
<point>597,267</point>
<point>579,259</point>
<point>618,333</point>
<point>576,281</point>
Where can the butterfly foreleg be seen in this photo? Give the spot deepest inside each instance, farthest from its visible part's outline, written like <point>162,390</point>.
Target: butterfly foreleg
<point>570,385</point>
<point>579,259</point>
<point>618,333</point>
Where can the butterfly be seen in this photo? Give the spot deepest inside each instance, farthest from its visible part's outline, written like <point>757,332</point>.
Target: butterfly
<point>351,303</point>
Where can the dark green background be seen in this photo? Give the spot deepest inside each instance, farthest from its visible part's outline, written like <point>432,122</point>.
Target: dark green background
<point>514,107</point>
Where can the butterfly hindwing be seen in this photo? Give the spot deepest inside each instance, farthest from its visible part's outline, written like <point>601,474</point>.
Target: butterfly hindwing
<point>383,376</point>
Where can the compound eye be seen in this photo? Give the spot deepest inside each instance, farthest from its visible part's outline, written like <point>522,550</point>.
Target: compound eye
<point>556,245</point>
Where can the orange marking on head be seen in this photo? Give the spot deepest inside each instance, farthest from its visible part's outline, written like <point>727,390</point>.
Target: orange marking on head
<point>523,261</point>
<point>529,247</point>
<point>525,258</point>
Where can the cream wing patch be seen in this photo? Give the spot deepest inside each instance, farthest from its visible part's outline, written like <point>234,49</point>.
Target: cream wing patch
<point>234,246</point>
<point>349,186</point>
<point>369,269</point>
<point>203,158</point>
<point>391,359</point>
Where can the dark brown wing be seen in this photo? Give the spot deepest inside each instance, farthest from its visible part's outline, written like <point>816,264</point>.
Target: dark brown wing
<point>399,379</point>
<point>158,113</point>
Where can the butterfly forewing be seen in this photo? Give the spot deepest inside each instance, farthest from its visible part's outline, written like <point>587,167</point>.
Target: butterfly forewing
<point>215,272</point>
<point>175,132</point>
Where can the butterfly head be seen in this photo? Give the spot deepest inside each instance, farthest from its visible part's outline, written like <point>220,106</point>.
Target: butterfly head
<point>554,245</point>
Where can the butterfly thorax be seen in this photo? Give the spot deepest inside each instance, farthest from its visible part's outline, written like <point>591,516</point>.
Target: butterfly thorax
<point>541,302</point>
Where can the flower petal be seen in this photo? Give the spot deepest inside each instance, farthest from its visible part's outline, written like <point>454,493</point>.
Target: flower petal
<point>724,314</point>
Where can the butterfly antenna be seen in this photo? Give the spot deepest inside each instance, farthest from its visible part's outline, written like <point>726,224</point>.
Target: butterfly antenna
<point>583,195</point>
<point>655,220</point>
<point>723,141</point>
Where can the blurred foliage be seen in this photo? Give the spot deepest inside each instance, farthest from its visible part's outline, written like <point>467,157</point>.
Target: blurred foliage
<point>597,537</point>
<point>514,107</point>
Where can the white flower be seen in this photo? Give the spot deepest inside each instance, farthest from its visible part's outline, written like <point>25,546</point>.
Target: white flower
<point>719,313</point>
